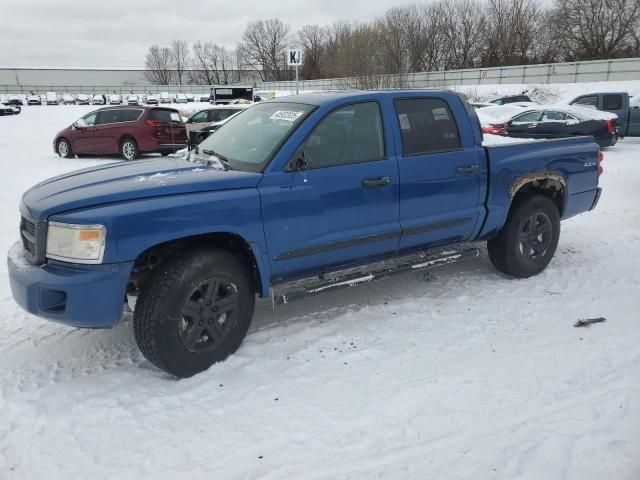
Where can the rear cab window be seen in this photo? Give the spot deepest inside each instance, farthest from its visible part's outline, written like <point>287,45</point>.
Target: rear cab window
<point>612,102</point>
<point>426,126</point>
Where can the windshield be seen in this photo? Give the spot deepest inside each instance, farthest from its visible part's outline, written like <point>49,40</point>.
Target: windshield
<point>249,140</point>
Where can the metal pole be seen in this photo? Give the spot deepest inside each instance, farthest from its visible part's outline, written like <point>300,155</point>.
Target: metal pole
<point>297,82</point>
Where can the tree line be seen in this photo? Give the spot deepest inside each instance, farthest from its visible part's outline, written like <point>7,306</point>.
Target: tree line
<point>440,35</point>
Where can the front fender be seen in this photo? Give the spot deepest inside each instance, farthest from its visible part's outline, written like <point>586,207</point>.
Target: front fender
<point>136,226</point>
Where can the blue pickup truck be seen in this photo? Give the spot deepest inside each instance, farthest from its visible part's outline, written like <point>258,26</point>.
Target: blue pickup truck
<point>291,197</point>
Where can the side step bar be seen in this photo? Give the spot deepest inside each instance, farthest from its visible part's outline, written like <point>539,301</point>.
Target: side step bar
<point>412,263</point>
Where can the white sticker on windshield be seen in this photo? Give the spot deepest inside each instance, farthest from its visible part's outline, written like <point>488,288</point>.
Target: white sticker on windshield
<point>288,115</point>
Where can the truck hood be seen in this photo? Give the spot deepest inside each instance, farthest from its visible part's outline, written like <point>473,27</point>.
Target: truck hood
<point>125,181</point>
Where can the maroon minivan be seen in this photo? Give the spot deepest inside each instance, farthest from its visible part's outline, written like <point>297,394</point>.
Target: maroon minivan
<point>128,131</point>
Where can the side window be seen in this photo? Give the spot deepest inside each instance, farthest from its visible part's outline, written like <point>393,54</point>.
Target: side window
<point>591,101</point>
<point>88,120</point>
<point>426,126</point>
<point>612,102</point>
<point>167,116</point>
<point>131,115</point>
<point>219,114</point>
<point>351,134</point>
<point>529,117</point>
<point>109,116</point>
<point>200,117</point>
<point>552,116</point>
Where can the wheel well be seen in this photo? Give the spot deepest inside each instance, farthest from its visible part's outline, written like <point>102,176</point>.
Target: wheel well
<point>151,258</point>
<point>552,188</point>
<point>124,137</point>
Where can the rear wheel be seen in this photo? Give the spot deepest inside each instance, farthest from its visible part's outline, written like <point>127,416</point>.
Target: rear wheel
<point>64,148</point>
<point>194,311</point>
<point>129,149</point>
<point>529,239</point>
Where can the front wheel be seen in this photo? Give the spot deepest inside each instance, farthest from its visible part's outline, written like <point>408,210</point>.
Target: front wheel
<point>194,311</point>
<point>529,239</point>
<point>64,148</point>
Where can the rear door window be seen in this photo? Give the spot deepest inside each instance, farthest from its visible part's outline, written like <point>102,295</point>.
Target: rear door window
<point>551,116</point>
<point>612,102</point>
<point>426,126</point>
<point>131,115</point>
<point>109,116</point>
<point>529,117</point>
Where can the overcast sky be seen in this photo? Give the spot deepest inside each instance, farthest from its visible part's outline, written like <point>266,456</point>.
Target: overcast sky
<point>117,33</point>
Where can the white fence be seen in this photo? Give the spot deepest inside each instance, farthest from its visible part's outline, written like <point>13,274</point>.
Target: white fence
<point>574,72</point>
<point>593,71</point>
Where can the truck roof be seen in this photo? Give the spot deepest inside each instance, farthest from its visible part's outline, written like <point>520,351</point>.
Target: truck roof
<point>323,98</point>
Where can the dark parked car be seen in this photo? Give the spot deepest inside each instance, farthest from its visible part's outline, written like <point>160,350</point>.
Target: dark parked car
<point>558,122</point>
<point>128,131</point>
<point>511,99</point>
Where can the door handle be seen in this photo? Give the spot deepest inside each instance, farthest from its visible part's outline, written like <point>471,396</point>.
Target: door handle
<point>376,182</point>
<point>532,126</point>
<point>467,169</point>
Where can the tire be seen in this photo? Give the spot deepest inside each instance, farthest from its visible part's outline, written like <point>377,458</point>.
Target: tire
<point>178,305</point>
<point>129,149</point>
<point>520,251</point>
<point>164,154</point>
<point>63,147</point>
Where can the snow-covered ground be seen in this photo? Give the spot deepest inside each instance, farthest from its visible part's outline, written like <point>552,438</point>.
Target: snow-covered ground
<point>461,373</point>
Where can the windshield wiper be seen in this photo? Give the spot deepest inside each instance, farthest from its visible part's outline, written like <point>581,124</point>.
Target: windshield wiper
<point>224,161</point>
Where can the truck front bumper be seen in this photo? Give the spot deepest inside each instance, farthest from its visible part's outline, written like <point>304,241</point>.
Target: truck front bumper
<point>87,296</point>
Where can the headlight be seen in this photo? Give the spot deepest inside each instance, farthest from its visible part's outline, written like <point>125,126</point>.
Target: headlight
<point>76,243</point>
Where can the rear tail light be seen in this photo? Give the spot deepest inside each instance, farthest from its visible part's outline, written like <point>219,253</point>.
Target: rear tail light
<point>600,159</point>
<point>610,126</point>
<point>493,129</point>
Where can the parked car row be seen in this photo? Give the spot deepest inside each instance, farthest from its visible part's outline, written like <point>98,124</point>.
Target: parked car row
<point>52,98</point>
<point>605,116</point>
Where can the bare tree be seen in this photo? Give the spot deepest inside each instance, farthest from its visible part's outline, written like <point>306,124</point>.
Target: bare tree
<point>597,29</point>
<point>180,57</point>
<point>158,65</point>
<point>463,27</point>
<point>201,70</point>
<point>312,40</point>
<point>263,48</point>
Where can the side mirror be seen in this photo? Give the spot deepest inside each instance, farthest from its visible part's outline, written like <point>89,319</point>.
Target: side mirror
<point>298,162</point>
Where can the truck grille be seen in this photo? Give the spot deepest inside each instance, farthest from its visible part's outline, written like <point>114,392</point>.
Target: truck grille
<point>33,235</point>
